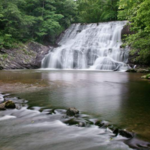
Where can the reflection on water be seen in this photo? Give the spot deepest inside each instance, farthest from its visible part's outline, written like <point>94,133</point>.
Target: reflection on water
<point>121,98</point>
<point>90,92</point>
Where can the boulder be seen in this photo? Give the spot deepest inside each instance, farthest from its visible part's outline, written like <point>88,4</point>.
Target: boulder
<point>72,112</point>
<point>146,76</point>
<point>72,121</point>
<point>104,124</point>
<point>124,133</point>
<point>131,70</point>
<point>31,55</point>
<point>98,122</point>
<point>2,106</point>
<point>10,104</point>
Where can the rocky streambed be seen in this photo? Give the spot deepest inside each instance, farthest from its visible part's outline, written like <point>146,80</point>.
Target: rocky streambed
<point>59,128</point>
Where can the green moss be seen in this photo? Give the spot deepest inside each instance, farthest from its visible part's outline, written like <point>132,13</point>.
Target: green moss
<point>131,70</point>
<point>3,56</point>
<point>146,76</point>
<point>10,104</point>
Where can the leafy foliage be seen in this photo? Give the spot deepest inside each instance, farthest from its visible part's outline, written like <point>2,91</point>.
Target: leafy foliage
<point>138,13</point>
<point>91,11</point>
<point>38,20</point>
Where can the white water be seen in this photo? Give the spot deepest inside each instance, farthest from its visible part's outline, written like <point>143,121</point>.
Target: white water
<point>90,46</point>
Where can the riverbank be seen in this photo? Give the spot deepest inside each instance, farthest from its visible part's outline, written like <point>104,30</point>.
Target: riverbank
<point>27,56</point>
<point>139,70</point>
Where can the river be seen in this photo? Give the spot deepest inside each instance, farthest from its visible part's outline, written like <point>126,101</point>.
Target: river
<point>121,98</point>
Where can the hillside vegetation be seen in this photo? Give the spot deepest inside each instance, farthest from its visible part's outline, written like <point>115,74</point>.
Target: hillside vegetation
<point>43,20</point>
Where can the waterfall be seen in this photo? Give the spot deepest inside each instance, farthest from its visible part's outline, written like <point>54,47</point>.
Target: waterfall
<point>89,46</point>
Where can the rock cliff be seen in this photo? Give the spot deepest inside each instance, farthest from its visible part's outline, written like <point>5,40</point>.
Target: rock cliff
<point>28,56</point>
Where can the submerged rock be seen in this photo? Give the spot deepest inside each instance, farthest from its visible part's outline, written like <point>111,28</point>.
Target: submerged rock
<point>72,121</point>
<point>98,122</point>
<point>138,144</point>
<point>72,112</point>
<point>7,104</point>
<point>80,122</point>
<point>124,133</point>
<point>131,70</point>
<point>146,76</point>
<point>104,124</point>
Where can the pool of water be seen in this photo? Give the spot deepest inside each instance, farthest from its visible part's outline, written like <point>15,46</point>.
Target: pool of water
<point>118,97</point>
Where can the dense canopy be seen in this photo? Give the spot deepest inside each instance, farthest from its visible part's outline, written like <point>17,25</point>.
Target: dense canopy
<point>39,20</point>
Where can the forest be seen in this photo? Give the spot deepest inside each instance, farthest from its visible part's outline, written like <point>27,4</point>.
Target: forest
<point>42,21</point>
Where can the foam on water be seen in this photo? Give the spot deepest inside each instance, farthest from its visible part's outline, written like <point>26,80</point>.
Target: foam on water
<point>6,117</point>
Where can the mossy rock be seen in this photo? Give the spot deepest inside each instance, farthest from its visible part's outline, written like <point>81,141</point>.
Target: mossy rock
<point>146,76</point>
<point>2,106</point>
<point>98,122</point>
<point>143,71</point>
<point>131,70</point>
<point>10,104</point>
<point>123,133</point>
<point>72,112</point>
<point>72,121</point>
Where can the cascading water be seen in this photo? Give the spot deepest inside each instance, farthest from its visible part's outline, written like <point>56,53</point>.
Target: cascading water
<point>90,46</point>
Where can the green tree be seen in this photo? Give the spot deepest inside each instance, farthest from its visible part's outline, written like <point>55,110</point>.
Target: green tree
<point>97,10</point>
<point>38,20</point>
<point>138,13</point>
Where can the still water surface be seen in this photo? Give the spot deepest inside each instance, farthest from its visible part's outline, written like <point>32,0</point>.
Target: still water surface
<point>118,97</point>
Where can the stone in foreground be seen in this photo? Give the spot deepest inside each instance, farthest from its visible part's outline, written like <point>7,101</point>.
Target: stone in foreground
<point>72,112</point>
<point>146,76</point>
<point>10,104</point>
<point>2,106</point>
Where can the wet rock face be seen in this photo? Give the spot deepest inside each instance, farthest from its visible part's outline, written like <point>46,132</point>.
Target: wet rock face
<point>139,70</point>
<point>2,106</point>
<point>126,31</point>
<point>28,56</point>
<point>124,133</point>
<point>131,70</point>
<point>146,76</point>
<point>7,105</point>
<point>72,112</point>
<point>143,70</point>
<point>10,104</point>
